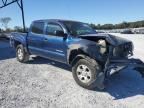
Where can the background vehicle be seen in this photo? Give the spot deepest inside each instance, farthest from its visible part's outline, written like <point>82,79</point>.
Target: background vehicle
<point>92,56</point>
<point>4,35</point>
<point>128,31</point>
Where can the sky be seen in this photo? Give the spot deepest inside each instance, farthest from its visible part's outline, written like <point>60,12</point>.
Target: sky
<point>89,11</point>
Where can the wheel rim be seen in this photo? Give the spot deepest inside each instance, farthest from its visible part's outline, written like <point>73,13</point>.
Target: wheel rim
<point>20,53</point>
<point>84,73</point>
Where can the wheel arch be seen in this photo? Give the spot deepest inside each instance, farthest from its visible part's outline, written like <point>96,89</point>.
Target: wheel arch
<point>76,55</point>
<point>16,43</point>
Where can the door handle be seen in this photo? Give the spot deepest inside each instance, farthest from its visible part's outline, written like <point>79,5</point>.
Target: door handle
<point>45,39</point>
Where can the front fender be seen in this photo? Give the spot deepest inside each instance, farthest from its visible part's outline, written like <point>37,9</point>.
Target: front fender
<point>84,47</point>
<point>92,51</point>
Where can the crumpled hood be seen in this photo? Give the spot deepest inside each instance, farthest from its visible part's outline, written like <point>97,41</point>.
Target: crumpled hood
<point>111,39</point>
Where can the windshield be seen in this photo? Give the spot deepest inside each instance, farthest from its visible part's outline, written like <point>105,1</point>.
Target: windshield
<point>78,28</point>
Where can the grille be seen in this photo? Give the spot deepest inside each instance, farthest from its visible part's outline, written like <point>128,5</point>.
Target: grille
<point>123,50</point>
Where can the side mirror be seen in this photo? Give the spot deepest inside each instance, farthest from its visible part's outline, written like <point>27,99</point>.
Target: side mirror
<point>60,33</point>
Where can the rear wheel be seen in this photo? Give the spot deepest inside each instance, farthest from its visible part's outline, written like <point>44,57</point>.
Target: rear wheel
<point>21,54</point>
<point>85,73</point>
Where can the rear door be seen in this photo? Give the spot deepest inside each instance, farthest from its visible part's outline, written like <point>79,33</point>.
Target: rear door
<point>55,46</point>
<point>36,38</point>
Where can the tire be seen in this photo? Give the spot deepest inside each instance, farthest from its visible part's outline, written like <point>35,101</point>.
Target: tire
<point>90,66</point>
<point>21,55</point>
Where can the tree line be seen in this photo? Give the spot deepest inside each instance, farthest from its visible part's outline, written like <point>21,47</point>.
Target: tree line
<point>4,26</point>
<point>122,25</point>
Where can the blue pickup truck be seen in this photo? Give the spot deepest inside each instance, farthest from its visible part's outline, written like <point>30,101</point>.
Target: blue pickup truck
<point>92,56</point>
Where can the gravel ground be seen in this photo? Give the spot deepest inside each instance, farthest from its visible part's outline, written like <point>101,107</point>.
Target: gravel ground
<point>43,83</point>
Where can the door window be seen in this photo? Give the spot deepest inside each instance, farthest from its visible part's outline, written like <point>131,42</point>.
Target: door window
<point>52,28</point>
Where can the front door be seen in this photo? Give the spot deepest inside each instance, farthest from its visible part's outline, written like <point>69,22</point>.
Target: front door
<point>54,45</point>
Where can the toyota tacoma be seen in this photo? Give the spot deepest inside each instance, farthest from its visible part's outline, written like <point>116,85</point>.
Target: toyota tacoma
<point>92,56</point>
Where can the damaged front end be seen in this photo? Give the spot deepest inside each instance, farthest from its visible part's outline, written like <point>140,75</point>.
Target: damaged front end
<point>116,63</point>
<point>119,58</point>
<point>117,54</point>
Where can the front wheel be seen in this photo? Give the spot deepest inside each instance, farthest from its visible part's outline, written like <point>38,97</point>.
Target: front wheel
<point>85,73</point>
<point>21,54</point>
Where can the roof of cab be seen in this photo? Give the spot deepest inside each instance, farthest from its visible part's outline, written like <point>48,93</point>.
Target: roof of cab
<point>54,20</point>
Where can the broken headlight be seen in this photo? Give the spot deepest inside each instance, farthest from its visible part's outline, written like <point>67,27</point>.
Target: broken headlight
<point>103,45</point>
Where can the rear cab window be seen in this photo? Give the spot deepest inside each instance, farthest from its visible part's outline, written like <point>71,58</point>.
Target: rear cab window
<point>37,27</point>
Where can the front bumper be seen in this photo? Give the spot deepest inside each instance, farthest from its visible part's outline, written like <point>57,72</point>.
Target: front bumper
<point>116,65</point>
